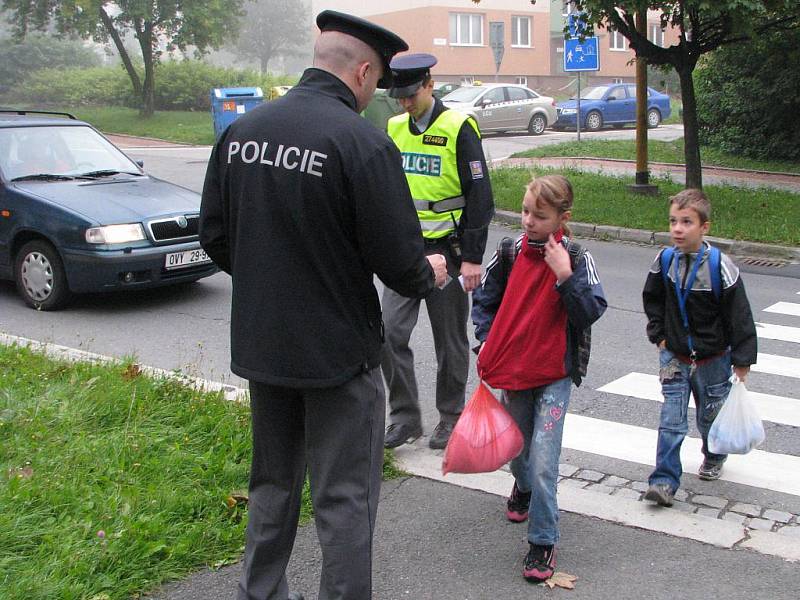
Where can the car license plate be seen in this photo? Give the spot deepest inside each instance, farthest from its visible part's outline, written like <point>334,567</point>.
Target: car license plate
<point>187,258</point>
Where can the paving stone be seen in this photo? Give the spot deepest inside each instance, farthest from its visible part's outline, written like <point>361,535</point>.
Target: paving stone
<point>712,501</point>
<point>573,483</point>
<point>792,530</point>
<point>734,517</point>
<point>778,515</point>
<point>615,481</point>
<point>628,493</point>
<point>681,496</point>
<point>599,487</point>
<point>590,475</point>
<point>708,512</point>
<point>683,507</point>
<point>640,486</point>
<point>751,510</point>
<point>761,524</point>
<point>566,470</point>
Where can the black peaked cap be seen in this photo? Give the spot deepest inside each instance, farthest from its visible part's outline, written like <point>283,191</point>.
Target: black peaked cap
<point>409,71</point>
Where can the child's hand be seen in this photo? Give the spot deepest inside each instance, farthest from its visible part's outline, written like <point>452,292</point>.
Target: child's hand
<point>741,372</point>
<point>557,258</point>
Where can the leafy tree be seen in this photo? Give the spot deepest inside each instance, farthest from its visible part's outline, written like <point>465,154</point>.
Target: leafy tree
<point>157,25</point>
<point>273,28</point>
<point>747,98</point>
<point>41,52</point>
<point>702,26</point>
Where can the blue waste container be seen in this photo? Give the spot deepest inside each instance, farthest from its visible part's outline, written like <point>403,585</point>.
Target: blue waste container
<point>228,104</point>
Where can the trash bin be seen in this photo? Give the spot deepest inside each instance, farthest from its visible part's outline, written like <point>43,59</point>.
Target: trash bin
<point>228,104</point>
<point>381,108</point>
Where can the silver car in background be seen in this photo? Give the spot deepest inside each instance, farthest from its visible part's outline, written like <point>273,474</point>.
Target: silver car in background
<point>504,107</point>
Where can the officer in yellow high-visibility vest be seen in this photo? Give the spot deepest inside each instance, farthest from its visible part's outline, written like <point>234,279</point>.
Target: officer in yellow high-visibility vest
<point>449,182</point>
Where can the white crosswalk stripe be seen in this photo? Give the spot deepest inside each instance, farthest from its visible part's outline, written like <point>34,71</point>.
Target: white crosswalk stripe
<point>769,331</point>
<point>784,308</point>
<point>777,365</point>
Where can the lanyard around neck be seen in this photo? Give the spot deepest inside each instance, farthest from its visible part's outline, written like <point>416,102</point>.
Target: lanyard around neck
<point>684,291</point>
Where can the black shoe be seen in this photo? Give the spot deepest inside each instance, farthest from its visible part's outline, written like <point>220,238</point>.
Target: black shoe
<point>517,505</point>
<point>295,596</point>
<point>441,435</point>
<point>709,471</point>
<point>398,434</point>
<point>660,493</point>
<point>540,563</point>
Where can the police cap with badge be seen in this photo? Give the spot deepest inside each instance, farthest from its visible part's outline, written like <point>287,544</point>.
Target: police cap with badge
<point>383,41</point>
<point>410,72</point>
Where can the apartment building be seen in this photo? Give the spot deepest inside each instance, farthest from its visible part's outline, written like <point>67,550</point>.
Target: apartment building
<point>459,32</point>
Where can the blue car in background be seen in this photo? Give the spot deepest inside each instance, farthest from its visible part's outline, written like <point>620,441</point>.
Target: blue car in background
<point>612,104</point>
<point>77,215</point>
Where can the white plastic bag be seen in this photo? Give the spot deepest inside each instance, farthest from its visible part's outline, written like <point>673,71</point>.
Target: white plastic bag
<point>737,428</point>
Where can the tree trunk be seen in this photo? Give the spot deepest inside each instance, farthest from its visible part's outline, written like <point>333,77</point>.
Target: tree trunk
<point>694,169</point>
<point>145,35</point>
<point>108,23</point>
<point>264,59</point>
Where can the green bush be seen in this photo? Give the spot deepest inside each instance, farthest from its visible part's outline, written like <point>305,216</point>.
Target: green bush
<point>180,85</point>
<point>39,51</point>
<point>747,97</point>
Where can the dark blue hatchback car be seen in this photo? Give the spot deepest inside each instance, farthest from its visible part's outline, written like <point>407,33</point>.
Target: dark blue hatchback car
<point>612,104</point>
<point>78,215</point>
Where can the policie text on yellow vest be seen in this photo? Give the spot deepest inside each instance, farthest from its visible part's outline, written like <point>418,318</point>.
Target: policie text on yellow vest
<point>291,158</point>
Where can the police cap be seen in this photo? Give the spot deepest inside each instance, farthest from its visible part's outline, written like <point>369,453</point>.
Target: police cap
<point>383,41</point>
<point>409,71</point>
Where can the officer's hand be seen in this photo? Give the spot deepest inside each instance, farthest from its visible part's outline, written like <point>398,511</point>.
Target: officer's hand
<point>471,274</point>
<point>557,258</point>
<point>439,266</point>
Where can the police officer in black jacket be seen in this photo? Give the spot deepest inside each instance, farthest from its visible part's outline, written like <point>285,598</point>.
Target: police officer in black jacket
<point>303,202</point>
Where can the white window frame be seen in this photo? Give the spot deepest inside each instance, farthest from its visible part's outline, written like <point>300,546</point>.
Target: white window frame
<point>517,29</point>
<point>521,80</point>
<point>617,41</point>
<point>467,80</point>
<point>655,34</point>
<point>459,33</point>
<point>617,80</point>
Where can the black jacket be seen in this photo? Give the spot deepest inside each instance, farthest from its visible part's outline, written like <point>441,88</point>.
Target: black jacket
<point>304,200</point>
<point>715,324</point>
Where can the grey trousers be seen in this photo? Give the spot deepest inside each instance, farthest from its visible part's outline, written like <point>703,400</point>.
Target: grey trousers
<point>337,433</point>
<point>448,310</point>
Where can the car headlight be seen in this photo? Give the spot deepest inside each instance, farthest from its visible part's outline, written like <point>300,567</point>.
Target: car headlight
<point>115,234</point>
<point>568,111</point>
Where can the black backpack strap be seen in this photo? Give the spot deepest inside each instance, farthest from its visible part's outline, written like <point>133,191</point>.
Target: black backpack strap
<point>507,253</point>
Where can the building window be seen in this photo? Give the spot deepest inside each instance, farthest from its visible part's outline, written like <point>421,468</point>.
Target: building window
<point>521,80</point>
<point>521,32</point>
<point>569,8</point>
<point>656,34</point>
<point>466,29</point>
<point>617,80</point>
<point>467,80</point>
<point>617,41</point>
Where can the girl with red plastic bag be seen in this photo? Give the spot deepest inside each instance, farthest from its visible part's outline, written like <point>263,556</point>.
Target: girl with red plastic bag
<point>533,313</point>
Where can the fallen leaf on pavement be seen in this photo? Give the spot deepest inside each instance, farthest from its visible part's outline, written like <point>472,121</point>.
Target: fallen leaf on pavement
<point>562,580</point>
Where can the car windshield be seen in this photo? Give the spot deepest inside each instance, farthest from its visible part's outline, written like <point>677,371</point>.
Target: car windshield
<point>594,93</point>
<point>59,152</point>
<point>464,94</point>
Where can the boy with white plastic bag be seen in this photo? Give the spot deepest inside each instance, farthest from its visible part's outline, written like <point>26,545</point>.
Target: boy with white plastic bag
<point>737,428</point>
<point>700,319</point>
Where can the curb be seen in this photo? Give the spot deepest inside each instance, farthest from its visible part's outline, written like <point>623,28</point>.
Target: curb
<point>739,248</point>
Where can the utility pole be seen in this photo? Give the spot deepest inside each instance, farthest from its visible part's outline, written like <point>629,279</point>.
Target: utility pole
<point>642,185</point>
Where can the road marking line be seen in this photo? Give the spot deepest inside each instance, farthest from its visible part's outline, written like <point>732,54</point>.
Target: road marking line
<point>759,469</point>
<point>785,308</point>
<point>776,409</point>
<point>777,365</point>
<point>778,332</point>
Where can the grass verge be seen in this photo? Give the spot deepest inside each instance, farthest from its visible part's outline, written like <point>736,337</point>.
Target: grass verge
<point>160,469</point>
<point>760,215</point>
<point>186,127</point>
<point>658,151</point>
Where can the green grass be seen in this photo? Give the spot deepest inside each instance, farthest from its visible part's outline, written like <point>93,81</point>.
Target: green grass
<point>760,215</point>
<point>658,151</point>
<point>176,126</point>
<point>155,466</point>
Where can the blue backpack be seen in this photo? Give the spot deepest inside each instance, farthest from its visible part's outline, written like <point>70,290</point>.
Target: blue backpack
<point>714,259</point>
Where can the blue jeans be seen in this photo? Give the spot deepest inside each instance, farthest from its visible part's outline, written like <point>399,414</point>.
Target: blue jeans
<point>540,414</point>
<point>710,386</point>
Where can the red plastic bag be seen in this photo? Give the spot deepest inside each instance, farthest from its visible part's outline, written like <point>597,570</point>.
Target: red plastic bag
<point>484,438</point>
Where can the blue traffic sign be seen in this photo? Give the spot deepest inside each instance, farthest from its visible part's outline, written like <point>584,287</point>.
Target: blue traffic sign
<point>581,55</point>
<point>575,25</point>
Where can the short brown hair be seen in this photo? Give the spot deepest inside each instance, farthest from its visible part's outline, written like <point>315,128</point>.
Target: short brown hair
<point>553,190</point>
<point>694,199</point>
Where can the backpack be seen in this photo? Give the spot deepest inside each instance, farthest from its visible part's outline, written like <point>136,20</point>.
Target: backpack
<point>714,259</point>
<point>507,252</point>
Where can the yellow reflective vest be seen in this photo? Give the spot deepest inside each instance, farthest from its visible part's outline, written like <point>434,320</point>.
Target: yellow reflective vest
<point>429,161</point>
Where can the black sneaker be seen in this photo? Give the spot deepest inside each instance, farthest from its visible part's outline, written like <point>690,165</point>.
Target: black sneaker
<point>709,471</point>
<point>517,505</point>
<point>441,435</point>
<point>540,563</point>
<point>660,493</point>
<point>398,434</point>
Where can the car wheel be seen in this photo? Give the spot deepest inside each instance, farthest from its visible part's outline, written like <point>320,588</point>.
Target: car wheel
<point>653,118</point>
<point>537,124</point>
<point>594,121</point>
<point>40,276</point>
